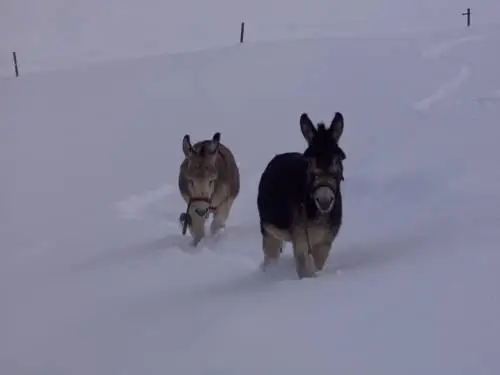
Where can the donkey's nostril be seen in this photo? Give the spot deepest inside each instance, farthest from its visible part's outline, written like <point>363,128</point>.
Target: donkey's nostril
<point>201,212</point>
<point>201,207</point>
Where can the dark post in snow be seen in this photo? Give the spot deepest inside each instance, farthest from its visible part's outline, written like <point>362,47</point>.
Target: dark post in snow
<point>242,32</point>
<point>468,16</point>
<point>15,64</point>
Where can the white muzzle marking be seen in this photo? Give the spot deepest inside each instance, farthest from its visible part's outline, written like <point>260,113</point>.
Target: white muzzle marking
<point>324,198</point>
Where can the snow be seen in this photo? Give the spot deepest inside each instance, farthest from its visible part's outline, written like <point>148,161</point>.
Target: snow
<point>96,277</point>
<point>56,34</point>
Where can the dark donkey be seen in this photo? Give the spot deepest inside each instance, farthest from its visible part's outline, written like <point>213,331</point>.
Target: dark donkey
<point>299,198</point>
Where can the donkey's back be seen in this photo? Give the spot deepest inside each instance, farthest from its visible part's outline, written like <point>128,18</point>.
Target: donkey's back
<point>228,170</point>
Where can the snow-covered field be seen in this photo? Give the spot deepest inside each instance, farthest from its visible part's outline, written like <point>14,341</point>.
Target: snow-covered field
<point>53,34</point>
<point>96,278</point>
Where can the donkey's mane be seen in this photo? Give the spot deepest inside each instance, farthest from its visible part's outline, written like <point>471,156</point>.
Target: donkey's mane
<point>204,148</point>
<point>321,128</point>
<point>323,147</point>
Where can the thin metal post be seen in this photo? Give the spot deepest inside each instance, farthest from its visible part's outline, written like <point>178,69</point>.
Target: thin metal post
<point>242,32</point>
<point>15,64</point>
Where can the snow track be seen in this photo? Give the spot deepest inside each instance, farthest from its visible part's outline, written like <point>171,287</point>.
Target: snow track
<point>445,90</point>
<point>439,50</point>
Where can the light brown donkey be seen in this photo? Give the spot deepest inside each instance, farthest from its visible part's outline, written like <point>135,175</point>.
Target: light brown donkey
<point>209,182</point>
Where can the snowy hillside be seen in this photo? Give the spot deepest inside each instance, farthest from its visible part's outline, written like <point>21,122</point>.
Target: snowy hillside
<point>96,277</point>
<point>54,34</point>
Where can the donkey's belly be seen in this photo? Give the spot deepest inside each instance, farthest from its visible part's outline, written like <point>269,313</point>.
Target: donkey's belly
<point>313,233</point>
<point>281,234</point>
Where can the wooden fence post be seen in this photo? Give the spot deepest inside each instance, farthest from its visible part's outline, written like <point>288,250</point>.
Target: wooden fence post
<point>14,55</point>
<point>242,32</point>
<point>468,16</point>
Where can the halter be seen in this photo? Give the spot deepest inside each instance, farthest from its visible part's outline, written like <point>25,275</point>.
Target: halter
<point>337,176</point>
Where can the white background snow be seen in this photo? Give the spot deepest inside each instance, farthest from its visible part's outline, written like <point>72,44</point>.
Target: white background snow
<point>95,276</point>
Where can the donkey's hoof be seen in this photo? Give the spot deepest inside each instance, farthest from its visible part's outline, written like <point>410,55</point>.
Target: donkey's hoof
<point>216,228</point>
<point>268,263</point>
<point>306,274</point>
<point>305,267</point>
<point>196,239</point>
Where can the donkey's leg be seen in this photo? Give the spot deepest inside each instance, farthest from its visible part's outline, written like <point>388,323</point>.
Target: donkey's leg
<point>220,215</point>
<point>272,248</point>
<point>304,261</point>
<point>322,249</point>
<point>320,254</point>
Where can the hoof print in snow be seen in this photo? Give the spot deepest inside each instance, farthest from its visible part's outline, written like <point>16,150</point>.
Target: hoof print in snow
<point>338,272</point>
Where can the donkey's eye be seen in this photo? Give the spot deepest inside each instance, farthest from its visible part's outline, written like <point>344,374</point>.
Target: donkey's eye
<point>335,167</point>
<point>191,183</point>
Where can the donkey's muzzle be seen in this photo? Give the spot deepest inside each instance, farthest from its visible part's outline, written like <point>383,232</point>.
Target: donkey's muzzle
<point>201,212</point>
<point>324,198</point>
<point>324,204</point>
<point>201,206</point>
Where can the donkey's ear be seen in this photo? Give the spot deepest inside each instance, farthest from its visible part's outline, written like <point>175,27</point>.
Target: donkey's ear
<point>337,126</point>
<point>307,127</point>
<point>186,145</point>
<point>216,138</point>
<point>216,141</point>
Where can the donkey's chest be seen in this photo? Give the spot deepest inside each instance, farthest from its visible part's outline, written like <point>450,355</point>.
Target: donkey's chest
<point>220,194</point>
<point>317,230</point>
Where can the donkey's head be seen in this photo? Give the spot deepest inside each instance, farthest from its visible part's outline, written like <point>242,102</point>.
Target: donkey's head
<point>201,171</point>
<point>324,157</point>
